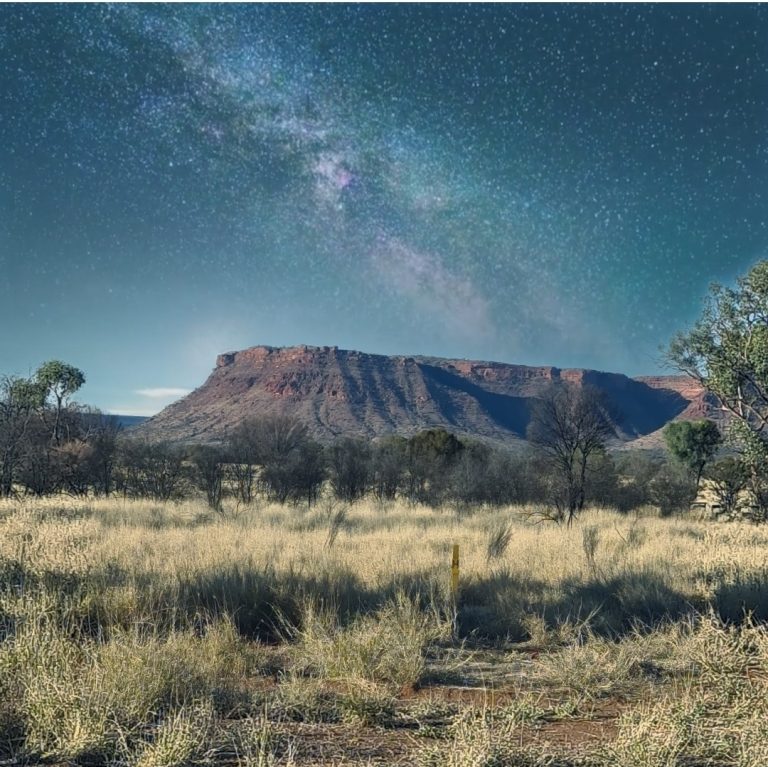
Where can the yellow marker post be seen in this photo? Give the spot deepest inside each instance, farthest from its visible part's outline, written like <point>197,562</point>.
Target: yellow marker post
<point>455,570</point>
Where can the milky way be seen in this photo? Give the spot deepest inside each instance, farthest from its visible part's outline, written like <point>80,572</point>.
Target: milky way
<point>537,184</point>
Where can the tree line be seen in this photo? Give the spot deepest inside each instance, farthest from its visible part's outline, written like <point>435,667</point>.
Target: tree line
<point>50,444</point>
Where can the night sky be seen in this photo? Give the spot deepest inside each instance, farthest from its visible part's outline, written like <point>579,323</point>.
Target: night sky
<point>540,184</point>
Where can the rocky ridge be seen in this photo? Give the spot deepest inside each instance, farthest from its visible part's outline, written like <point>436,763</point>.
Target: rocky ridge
<point>338,392</point>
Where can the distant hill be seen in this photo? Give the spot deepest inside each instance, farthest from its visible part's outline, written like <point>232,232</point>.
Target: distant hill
<point>337,392</point>
<point>129,421</point>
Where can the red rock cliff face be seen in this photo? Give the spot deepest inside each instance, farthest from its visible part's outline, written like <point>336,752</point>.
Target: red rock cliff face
<point>337,392</point>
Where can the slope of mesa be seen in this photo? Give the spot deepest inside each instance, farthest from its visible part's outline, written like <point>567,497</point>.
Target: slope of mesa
<point>337,392</point>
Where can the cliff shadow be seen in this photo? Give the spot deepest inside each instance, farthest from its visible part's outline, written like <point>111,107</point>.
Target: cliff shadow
<point>507,411</point>
<point>638,409</point>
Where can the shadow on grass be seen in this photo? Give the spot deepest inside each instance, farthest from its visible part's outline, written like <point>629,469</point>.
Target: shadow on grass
<point>733,602</point>
<point>499,606</point>
<point>262,601</point>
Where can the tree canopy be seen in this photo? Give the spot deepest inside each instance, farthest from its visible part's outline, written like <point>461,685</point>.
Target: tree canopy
<point>693,444</point>
<point>726,351</point>
<point>59,381</point>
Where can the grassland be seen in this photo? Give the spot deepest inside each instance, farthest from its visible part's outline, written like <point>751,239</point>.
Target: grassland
<point>138,633</point>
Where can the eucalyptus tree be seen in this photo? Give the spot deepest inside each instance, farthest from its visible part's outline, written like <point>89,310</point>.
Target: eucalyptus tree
<point>59,381</point>
<point>726,351</point>
<point>693,444</point>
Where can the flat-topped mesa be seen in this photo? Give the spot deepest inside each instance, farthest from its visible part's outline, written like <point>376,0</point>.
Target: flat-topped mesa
<point>343,392</point>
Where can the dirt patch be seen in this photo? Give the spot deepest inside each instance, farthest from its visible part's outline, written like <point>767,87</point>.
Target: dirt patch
<point>497,682</point>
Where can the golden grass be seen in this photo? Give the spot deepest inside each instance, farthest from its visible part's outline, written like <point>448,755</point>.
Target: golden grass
<point>378,546</point>
<point>126,626</point>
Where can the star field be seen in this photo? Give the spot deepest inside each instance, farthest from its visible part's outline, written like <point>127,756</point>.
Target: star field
<point>542,184</point>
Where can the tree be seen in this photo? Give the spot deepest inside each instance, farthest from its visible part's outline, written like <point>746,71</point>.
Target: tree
<point>151,470</point>
<point>244,453</point>
<point>727,480</point>
<point>102,438</point>
<point>603,489</point>
<point>20,398</point>
<point>469,481</point>
<point>727,353</point>
<point>389,461</point>
<point>350,468</point>
<point>59,381</point>
<point>208,473</point>
<point>431,455</point>
<point>309,470</point>
<point>292,464</point>
<point>636,470</point>
<point>39,467</point>
<point>70,463</point>
<point>277,436</point>
<point>484,474</point>
<point>693,444</point>
<point>672,489</point>
<point>569,425</point>
<point>296,476</point>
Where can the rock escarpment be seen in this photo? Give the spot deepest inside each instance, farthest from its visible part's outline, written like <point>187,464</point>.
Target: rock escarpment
<point>337,392</point>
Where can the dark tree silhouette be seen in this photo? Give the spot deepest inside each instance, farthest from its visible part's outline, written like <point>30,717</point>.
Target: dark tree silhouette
<point>569,425</point>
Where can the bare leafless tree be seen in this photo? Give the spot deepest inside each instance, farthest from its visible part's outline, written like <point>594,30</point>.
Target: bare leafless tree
<point>568,425</point>
<point>291,464</point>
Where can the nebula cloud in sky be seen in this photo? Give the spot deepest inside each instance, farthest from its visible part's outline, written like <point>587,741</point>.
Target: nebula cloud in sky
<point>441,294</point>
